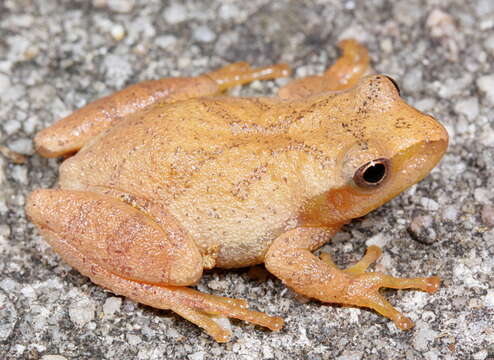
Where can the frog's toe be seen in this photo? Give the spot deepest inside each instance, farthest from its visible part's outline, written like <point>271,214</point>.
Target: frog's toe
<point>373,253</point>
<point>205,310</point>
<point>364,291</point>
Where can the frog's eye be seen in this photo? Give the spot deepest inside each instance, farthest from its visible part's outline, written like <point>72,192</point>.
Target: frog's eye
<point>372,174</point>
<point>395,84</point>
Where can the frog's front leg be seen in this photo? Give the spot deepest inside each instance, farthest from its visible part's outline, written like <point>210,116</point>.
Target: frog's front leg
<point>71,133</point>
<point>124,250</point>
<point>291,260</point>
<point>348,69</point>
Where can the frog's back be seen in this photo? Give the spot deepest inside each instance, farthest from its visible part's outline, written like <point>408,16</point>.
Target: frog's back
<point>225,168</point>
<point>175,141</point>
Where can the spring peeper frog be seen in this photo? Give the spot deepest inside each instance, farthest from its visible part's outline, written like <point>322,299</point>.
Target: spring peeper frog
<point>171,178</point>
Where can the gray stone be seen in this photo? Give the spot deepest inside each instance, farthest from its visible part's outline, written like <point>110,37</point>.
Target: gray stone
<point>22,146</point>
<point>112,305</point>
<point>468,107</point>
<point>413,82</point>
<point>175,13</point>
<point>8,316</point>
<point>204,34</point>
<point>486,86</point>
<point>82,312</point>
<point>121,6</point>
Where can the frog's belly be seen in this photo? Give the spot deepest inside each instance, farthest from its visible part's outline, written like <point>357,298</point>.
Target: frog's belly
<point>237,233</point>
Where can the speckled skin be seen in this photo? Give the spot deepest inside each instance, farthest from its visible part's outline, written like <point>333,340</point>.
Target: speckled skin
<point>168,188</point>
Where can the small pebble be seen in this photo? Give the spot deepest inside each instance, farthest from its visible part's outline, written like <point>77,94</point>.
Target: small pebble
<point>175,13</point>
<point>199,355</point>
<point>133,339</point>
<point>204,34</point>
<point>117,32</point>
<point>8,316</point>
<point>53,357</point>
<point>486,86</point>
<point>407,12</point>
<point>450,213</point>
<point>413,82</point>
<point>356,32</point>
<point>483,7</point>
<point>22,146</point>
<point>487,136</point>
<point>379,240</point>
<point>489,298</point>
<point>229,11</point>
<point>429,204</point>
<point>455,86</point>
<point>421,229</point>
<point>82,312</point>
<point>482,195</point>
<point>112,305</point>
<point>489,44</point>
<point>487,215</point>
<point>351,355</point>
<point>121,6</point>
<point>166,42</point>
<point>386,45</point>
<point>425,104</point>
<point>4,84</point>
<point>11,126</point>
<point>19,173</point>
<point>100,3</point>
<point>468,107</point>
<point>424,335</point>
<point>440,24</point>
<point>118,70</point>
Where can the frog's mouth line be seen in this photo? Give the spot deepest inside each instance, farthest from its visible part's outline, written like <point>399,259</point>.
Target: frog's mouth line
<point>408,167</point>
<point>413,164</point>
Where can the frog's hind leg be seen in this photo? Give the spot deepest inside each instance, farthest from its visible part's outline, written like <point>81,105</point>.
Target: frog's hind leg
<point>70,134</point>
<point>241,73</point>
<point>348,69</point>
<point>372,254</point>
<point>124,250</point>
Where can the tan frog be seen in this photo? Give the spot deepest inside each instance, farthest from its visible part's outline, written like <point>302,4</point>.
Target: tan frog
<point>171,178</point>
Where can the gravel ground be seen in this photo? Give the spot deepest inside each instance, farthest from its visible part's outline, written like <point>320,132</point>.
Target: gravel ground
<point>55,56</point>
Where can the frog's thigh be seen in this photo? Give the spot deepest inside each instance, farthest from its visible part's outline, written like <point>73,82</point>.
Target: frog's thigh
<point>116,236</point>
<point>348,69</point>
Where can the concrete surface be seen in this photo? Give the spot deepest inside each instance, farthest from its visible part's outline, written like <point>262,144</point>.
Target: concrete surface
<point>55,56</point>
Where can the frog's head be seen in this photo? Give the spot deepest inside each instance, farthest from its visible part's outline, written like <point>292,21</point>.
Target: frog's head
<point>387,147</point>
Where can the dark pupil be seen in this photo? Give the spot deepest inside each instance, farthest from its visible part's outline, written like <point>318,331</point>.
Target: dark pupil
<point>374,174</point>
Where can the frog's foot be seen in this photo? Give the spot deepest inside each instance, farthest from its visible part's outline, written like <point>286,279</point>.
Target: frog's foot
<point>364,287</point>
<point>363,290</point>
<point>289,258</point>
<point>204,309</point>
<point>241,73</point>
<point>348,69</point>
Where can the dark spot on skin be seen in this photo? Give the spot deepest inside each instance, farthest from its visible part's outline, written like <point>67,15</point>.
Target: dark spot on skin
<point>402,123</point>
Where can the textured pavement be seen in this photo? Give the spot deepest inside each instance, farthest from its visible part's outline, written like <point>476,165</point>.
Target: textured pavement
<point>56,56</point>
